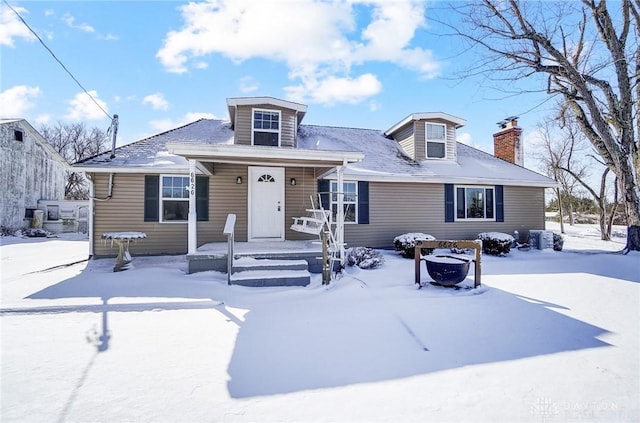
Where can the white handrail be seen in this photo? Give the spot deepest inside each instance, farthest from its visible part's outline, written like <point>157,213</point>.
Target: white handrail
<point>229,230</point>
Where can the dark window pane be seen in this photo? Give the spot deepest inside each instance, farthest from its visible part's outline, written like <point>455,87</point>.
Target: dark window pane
<point>489,213</point>
<point>435,150</point>
<point>175,210</point>
<point>349,212</point>
<point>265,138</point>
<point>475,203</point>
<point>460,203</point>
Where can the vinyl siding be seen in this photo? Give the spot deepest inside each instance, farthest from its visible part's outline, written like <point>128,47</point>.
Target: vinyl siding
<point>406,139</point>
<point>391,214</point>
<point>125,210</point>
<point>297,199</point>
<point>242,127</point>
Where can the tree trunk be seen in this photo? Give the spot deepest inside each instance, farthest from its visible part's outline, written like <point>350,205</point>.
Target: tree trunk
<point>560,211</point>
<point>633,239</point>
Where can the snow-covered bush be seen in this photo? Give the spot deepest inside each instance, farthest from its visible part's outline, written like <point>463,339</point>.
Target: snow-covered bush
<point>364,258</point>
<point>496,243</point>
<point>558,242</point>
<point>406,244</point>
<point>35,232</point>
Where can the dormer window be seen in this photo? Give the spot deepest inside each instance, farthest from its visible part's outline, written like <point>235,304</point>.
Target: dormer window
<point>436,140</point>
<point>266,127</point>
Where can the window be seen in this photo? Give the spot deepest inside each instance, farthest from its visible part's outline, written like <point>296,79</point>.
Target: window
<point>474,203</point>
<point>266,127</point>
<point>154,198</point>
<point>17,135</point>
<point>436,136</point>
<point>174,198</point>
<point>350,201</point>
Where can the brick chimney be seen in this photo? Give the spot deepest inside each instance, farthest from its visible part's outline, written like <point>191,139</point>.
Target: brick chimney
<point>507,142</point>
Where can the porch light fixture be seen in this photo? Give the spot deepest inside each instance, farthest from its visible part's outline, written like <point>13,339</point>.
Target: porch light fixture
<point>292,181</point>
<point>239,180</point>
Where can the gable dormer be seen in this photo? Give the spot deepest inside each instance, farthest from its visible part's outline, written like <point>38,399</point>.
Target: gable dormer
<point>265,121</point>
<point>427,136</point>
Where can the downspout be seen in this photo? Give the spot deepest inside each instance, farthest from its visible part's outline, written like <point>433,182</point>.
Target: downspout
<point>91,211</point>
<point>92,200</point>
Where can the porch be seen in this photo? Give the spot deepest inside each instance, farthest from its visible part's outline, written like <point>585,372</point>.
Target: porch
<point>213,256</point>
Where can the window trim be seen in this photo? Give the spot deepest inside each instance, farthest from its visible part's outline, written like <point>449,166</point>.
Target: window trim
<point>161,199</point>
<point>427,140</point>
<point>474,219</point>
<point>354,202</point>
<point>273,131</point>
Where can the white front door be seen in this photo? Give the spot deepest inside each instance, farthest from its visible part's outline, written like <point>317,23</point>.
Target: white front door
<point>266,203</point>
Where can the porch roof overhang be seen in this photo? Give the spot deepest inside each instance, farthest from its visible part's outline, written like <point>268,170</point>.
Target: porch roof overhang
<point>258,155</point>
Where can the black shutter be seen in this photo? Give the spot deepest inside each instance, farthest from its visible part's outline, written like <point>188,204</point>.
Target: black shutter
<point>151,198</point>
<point>499,203</point>
<point>324,186</point>
<point>202,198</point>
<point>363,202</point>
<point>449,211</point>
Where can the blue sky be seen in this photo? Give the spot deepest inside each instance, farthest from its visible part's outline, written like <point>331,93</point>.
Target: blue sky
<point>161,64</point>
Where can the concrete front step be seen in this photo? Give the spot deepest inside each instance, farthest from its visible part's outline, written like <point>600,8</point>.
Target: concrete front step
<point>249,263</point>
<point>249,271</point>
<point>257,278</point>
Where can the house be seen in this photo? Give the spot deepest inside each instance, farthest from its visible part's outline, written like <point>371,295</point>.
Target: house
<point>31,170</point>
<point>263,165</point>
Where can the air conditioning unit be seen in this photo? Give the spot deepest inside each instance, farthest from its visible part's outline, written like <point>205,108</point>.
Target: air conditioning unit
<point>540,239</point>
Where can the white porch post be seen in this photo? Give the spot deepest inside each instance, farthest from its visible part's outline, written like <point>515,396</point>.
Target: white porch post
<point>340,214</point>
<point>193,216</point>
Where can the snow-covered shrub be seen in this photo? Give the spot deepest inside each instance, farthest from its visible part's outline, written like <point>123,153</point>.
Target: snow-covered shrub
<point>406,244</point>
<point>34,232</point>
<point>496,243</point>
<point>364,258</point>
<point>558,242</point>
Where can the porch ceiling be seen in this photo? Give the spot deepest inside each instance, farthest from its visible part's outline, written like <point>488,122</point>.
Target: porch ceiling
<point>259,155</point>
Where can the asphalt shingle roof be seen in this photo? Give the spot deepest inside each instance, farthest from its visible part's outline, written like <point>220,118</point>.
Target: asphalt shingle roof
<point>384,158</point>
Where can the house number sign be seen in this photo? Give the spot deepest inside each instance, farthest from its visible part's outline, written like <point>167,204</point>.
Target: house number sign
<point>192,183</point>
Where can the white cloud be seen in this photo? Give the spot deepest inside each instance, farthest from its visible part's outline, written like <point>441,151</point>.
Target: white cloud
<point>11,27</point>
<point>331,89</point>
<point>49,12</point>
<point>248,84</point>
<point>464,138</point>
<point>157,101</point>
<point>167,124</point>
<point>81,107</point>
<point>201,65</point>
<point>374,106</point>
<point>318,41</point>
<point>69,20</point>
<point>15,101</point>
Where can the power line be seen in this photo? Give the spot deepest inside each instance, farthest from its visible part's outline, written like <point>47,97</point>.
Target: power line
<point>58,60</point>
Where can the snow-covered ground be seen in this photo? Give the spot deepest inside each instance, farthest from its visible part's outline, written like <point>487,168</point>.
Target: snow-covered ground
<point>549,336</point>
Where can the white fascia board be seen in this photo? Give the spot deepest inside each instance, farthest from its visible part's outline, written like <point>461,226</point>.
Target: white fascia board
<point>253,152</point>
<point>255,101</point>
<point>458,122</point>
<point>438,180</point>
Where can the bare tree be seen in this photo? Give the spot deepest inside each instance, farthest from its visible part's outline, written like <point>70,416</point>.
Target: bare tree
<point>555,151</point>
<point>588,58</point>
<point>74,142</point>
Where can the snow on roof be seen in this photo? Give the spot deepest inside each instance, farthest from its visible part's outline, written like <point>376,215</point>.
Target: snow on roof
<point>384,159</point>
<point>152,152</point>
